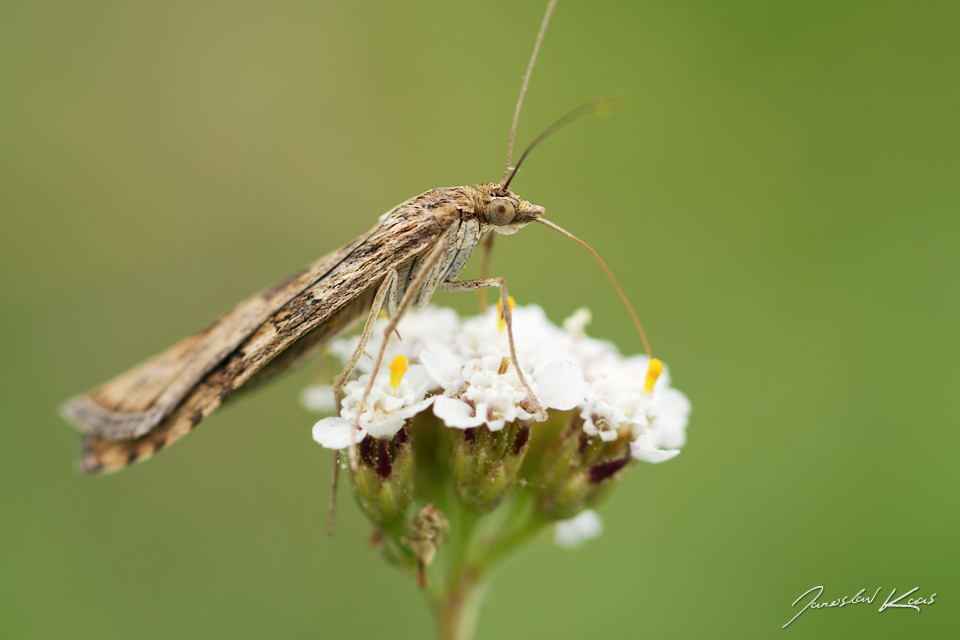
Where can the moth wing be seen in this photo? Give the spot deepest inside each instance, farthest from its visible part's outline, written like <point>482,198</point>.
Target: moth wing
<point>323,308</point>
<point>136,401</point>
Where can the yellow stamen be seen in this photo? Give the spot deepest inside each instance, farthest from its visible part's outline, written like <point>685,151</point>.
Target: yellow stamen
<point>653,372</point>
<point>501,325</point>
<point>397,368</point>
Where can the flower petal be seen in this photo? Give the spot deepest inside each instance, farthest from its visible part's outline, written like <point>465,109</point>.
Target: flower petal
<point>334,433</point>
<point>496,425</point>
<point>672,415</point>
<point>385,426</point>
<point>441,363</point>
<point>414,409</point>
<point>608,435</point>
<point>645,448</point>
<point>561,385</point>
<point>419,379</point>
<point>457,413</point>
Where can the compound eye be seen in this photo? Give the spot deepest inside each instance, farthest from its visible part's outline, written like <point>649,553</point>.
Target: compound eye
<point>501,211</point>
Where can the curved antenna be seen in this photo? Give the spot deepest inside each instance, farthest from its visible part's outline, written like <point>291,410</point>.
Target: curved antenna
<point>601,106</point>
<point>523,89</point>
<point>643,336</point>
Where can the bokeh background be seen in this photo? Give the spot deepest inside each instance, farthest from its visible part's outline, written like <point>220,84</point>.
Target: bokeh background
<point>779,196</point>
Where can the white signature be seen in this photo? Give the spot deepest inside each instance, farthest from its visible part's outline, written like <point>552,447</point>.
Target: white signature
<point>912,603</point>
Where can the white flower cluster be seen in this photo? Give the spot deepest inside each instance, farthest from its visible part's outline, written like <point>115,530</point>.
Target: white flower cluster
<point>466,365</point>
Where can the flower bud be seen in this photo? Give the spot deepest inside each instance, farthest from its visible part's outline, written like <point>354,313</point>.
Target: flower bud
<point>425,534</point>
<point>579,471</point>
<point>485,462</point>
<point>383,479</point>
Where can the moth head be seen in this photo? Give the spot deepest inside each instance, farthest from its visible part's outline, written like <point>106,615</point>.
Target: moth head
<point>503,211</point>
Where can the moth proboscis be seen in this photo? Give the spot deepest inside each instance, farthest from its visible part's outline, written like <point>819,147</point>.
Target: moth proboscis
<point>415,248</point>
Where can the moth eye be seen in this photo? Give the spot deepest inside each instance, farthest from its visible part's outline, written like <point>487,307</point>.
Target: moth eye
<point>501,211</point>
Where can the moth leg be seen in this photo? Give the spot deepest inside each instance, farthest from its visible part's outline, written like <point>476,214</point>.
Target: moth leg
<point>392,295</point>
<point>486,246</point>
<point>413,289</point>
<point>474,285</point>
<point>392,303</point>
<point>387,289</point>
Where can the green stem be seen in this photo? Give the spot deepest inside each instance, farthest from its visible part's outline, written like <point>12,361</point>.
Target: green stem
<point>456,610</point>
<point>456,605</point>
<point>460,545</point>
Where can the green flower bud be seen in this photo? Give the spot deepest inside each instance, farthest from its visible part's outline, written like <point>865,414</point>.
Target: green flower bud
<point>486,463</point>
<point>383,480</point>
<point>579,471</point>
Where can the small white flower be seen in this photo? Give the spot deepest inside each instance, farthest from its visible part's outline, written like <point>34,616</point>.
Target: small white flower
<point>478,394</point>
<point>538,341</point>
<point>390,403</point>
<point>668,412</point>
<point>615,399</point>
<point>486,390</point>
<point>415,329</point>
<point>619,398</point>
<point>646,448</point>
<point>572,533</point>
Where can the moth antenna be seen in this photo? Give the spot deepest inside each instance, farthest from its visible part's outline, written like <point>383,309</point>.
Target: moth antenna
<point>636,320</point>
<point>602,106</point>
<point>523,89</point>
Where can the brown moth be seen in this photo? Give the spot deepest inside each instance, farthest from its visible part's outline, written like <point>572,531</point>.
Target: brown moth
<point>415,248</point>
<point>140,412</point>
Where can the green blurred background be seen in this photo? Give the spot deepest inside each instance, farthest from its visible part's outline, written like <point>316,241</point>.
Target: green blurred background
<point>779,197</point>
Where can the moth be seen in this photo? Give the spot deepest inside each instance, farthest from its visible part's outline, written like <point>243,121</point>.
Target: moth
<point>416,248</point>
